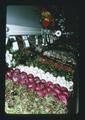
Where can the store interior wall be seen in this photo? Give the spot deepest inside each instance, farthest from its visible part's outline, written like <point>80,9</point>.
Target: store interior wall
<point>27,16</point>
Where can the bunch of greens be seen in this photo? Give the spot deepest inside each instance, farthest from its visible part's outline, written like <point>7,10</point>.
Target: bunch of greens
<point>19,100</point>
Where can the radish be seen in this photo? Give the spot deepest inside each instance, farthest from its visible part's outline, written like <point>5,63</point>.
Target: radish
<point>42,85</point>
<point>64,89</point>
<point>66,94</point>
<point>45,91</point>
<point>56,97</point>
<point>30,79</point>
<point>17,70</point>
<point>31,75</point>
<point>37,88</point>
<point>31,86</point>
<point>49,83</point>
<point>15,76</point>
<point>57,85</point>
<point>41,94</point>
<point>9,74</point>
<point>48,89</point>
<point>57,90</point>
<point>43,81</point>
<point>22,82</point>
<point>53,92</point>
<point>23,75</point>
<point>51,86</point>
<point>37,79</point>
<point>63,98</point>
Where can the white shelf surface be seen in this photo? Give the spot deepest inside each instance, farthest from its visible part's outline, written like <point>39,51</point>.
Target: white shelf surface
<point>22,30</point>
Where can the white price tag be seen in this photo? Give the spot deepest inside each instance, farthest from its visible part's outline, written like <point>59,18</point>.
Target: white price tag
<point>26,43</point>
<point>15,46</point>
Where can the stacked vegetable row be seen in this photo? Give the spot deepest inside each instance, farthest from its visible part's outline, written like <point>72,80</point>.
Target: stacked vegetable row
<point>26,76</point>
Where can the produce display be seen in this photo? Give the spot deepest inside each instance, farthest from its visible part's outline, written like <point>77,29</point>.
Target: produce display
<point>21,100</point>
<point>41,72</point>
<point>39,83</point>
<point>61,55</point>
<point>42,86</point>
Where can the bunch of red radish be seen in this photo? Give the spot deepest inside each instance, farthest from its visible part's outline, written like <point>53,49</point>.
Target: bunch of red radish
<point>41,87</point>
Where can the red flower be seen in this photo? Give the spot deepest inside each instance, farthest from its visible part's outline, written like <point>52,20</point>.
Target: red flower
<point>46,22</point>
<point>68,69</point>
<point>57,65</point>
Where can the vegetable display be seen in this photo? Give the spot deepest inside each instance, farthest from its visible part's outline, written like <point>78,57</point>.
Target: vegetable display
<point>26,76</point>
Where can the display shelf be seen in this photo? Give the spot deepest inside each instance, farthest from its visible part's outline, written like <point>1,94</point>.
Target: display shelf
<point>21,30</point>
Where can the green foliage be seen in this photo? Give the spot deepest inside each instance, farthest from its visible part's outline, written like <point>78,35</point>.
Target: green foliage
<point>28,102</point>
